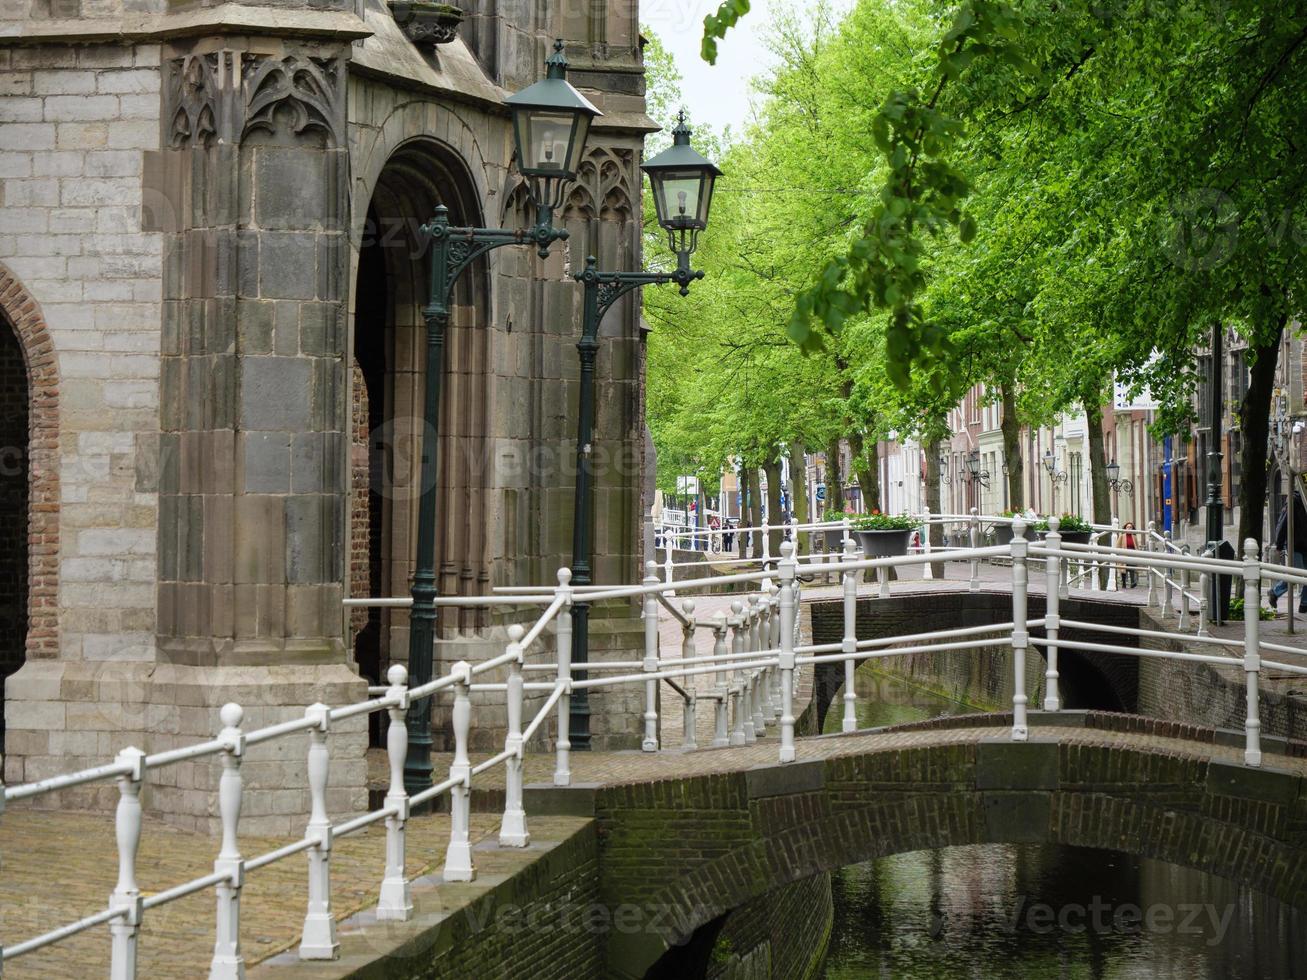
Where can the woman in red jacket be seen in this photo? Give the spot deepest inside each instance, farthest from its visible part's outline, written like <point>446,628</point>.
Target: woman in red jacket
<point>1129,573</point>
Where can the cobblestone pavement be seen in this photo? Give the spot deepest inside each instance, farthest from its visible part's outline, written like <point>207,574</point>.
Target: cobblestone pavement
<point>60,866</point>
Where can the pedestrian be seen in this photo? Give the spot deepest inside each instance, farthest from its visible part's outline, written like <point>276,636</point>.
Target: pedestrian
<point>1129,573</point>
<point>1299,549</point>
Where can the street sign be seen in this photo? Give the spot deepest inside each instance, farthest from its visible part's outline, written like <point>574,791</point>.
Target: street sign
<point>821,491</point>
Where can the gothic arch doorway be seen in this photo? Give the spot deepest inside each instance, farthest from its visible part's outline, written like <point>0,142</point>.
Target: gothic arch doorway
<point>29,483</point>
<point>388,379</point>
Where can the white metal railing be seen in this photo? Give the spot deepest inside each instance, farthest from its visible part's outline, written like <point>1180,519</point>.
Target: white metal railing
<point>749,677</point>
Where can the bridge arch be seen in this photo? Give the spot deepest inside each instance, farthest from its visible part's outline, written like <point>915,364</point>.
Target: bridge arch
<point>720,840</point>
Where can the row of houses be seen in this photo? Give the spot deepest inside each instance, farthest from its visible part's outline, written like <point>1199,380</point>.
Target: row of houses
<point>1152,476</point>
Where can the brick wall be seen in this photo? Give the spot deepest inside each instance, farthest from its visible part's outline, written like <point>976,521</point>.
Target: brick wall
<point>782,935</point>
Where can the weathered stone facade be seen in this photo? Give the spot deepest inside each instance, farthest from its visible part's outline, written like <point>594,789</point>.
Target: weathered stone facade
<point>209,230</point>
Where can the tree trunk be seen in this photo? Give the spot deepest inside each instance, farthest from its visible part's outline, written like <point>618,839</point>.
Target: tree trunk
<point>1102,505</point>
<point>869,474</point>
<point>933,504</point>
<point>755,511</point>
<point>834,481</point>
<point>742,537</point>
<point>1011,428</point>
<point>775,534</point>
<point>1254,424</point>
<point>799,494</point>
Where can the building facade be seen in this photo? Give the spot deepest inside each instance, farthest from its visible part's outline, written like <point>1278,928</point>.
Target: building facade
<point>211,278</point>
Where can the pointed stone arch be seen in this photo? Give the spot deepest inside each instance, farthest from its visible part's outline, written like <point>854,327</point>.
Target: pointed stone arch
<point>20,313</point>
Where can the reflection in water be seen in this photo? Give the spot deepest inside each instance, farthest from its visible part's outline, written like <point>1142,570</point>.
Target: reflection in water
<point>1036,911</point>
<point>886,700</point>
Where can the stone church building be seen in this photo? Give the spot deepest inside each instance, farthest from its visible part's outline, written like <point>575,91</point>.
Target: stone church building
<point>211,281</point>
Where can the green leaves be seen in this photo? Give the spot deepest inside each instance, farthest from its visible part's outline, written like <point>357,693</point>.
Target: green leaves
<point>716,25</point>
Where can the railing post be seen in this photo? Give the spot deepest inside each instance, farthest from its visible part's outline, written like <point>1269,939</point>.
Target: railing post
<point>1202,601</point>
<point>1114,567</point>
<point>1167,575</point>
<point>227,962</point>
<point>739,634</point>
<point>458,855</point>
<point>926,571</point>
<point>319,940</point>
<point>650,741</point>
<point>721,709</point>
<point>767,675</point>
<point>974,585</point>
<point>563,743</point>
<point>746,679</point>
<point>849,644</point>
<point>689,733</point>
<point>1020,632</point>
<point>786,658</point>
<point>1252,653</point>
<point>1095,538</point>
<point>127,894</point>
<point>395,903</point>
<point>762,627</point>
<point>1052,614</point>
<point>513,832</point>
<point>1150,570</point>
<point>1184,591</point>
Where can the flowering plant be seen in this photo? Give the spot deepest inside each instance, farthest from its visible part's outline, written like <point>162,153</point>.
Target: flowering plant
<point>833,515</point>
<point>876,521</point>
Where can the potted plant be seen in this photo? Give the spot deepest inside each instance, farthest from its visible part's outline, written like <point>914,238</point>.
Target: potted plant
<point>834,536</point>
<point>883,535</point>
<point>1073,529</point>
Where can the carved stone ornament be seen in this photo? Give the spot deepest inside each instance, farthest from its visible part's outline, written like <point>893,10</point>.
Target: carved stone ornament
<point>427,24</point>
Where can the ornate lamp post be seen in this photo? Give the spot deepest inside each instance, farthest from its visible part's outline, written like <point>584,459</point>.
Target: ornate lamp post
<point>1055,476</point>
<point>551,121</point>
<point>974,473</point>
<point>1114,480</point>
<point>682,181</point>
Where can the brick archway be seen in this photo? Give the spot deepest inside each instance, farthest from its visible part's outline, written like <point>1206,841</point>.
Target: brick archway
<point>688,850</point>
<point>20,313</point>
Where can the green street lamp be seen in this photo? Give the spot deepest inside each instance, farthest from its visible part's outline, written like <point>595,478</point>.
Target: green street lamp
<point>551,121</point>
<point>682,182</point>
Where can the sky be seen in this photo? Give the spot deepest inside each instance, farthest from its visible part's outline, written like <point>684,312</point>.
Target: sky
<point>718,95</point>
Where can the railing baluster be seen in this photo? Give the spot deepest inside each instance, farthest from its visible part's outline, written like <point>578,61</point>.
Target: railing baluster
<point>458,856</point>
<point>773,674</point>
<point>746,678</point>
<point>1020,633</point>
<point>739,633</point>
<point>1052,610</point>
<point>395,903</point>
<point>849,644</point>
<point>1151,602</point>
<point>125,929</point>
<point>319,940</point>
<point>787,569</point>
<point>227,962</point>
<point>721,709</point>
<point>1252,656</point>
<point>563,636</point>
<point>689,736</point>
<point>756,677</point>
<point>512,831</point>
<point>1202,602</point>
<point>650,741</point>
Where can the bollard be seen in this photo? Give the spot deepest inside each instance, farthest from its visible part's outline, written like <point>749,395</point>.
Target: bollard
<point>319,940</point>
<point>849,644</point>
<point>650,741</point>
<point>1252,656</point>
<point>1052,615</point>
<point>227,962</point>
<point>395,903</point>
<point>512,831</point>
<point>563,743</point>
<point>1020,633</point>
<point>126,895</point>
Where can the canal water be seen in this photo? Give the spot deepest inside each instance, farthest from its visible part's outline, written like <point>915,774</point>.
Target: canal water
<point>1037,911</point>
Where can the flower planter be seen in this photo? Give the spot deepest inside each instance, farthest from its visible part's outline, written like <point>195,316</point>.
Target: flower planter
<point>1075,537</point>
<point>834,540</point>
<point>884,544</point>
<point>1002,534</point>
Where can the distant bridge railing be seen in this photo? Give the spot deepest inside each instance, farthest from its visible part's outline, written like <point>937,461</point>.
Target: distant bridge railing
<point>755,656</point>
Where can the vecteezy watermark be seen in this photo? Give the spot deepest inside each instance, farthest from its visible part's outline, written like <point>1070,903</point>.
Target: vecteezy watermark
<point>1203,228</point>
<point>1102,917</point>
